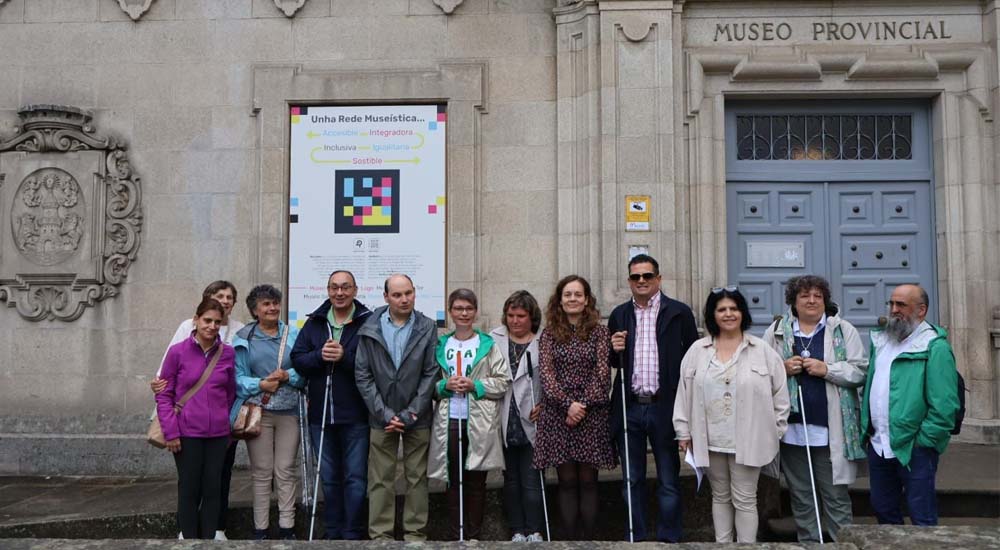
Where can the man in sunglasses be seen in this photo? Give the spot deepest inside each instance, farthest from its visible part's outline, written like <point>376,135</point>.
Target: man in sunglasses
<point>649,336</point>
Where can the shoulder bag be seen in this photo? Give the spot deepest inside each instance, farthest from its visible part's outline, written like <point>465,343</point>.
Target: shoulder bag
<point>154,435</point>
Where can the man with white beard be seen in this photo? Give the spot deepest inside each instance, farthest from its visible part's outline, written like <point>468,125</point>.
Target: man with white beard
<point>909,408</point>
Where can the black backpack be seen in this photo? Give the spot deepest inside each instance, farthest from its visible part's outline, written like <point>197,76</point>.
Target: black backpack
<point>960,414</point>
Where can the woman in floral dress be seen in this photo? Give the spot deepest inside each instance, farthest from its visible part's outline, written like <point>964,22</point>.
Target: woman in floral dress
<point>573,431</point>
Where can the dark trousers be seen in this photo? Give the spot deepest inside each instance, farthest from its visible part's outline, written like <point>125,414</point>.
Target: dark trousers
<point>473,487</point>
<point>199,485</point>
<point>522,491</point>
<point>227,477</point>
<point>890,481</point>
<point>642,426</point>
<point>344,473</point>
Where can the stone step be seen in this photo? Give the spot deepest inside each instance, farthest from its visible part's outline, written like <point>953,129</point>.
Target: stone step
<point>783,529</point>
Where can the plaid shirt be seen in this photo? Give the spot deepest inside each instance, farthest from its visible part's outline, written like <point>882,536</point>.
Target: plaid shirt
<point>646,358</point>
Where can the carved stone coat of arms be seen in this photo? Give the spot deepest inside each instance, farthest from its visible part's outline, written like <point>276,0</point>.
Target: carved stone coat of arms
<point>70,214</point>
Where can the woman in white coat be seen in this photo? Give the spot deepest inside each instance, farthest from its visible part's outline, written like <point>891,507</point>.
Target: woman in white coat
<point>825,361</point>
<point>522,490</point>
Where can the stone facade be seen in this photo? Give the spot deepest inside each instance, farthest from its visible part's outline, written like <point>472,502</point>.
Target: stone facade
<point>557,111</point>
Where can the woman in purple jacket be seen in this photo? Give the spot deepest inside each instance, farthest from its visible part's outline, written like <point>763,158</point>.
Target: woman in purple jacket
<point>198,433</point>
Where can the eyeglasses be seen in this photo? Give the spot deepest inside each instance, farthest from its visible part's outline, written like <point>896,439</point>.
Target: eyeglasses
<point>720,289</point>
<point>634,277</point>
<point>345,288</point>
<point>463,309</point>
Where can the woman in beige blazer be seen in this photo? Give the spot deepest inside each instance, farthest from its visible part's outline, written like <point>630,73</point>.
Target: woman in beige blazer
<point>731,410</point>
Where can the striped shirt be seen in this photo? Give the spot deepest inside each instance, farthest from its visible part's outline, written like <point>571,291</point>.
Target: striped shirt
<point>646,358</point>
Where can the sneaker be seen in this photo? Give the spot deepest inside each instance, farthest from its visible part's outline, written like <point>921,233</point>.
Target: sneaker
<point>518,537</point>
<point>286,533</point>
<point>220,535</point>
<point>535,537</point>
<point>260,534</point>
<point>180,536</point>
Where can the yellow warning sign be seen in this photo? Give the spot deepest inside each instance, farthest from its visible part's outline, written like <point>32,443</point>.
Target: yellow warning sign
<point>637,212</point>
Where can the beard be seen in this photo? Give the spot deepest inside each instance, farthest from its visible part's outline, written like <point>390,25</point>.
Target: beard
<point>900,327</point>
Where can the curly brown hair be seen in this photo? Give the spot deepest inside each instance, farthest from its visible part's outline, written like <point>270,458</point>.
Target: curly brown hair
<point>795,285</point>
<point>555,317</point>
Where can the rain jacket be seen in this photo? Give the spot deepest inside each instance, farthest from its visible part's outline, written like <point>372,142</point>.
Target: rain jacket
<point>491,377</point>
<point>923,398</point>
<point>840,376</point>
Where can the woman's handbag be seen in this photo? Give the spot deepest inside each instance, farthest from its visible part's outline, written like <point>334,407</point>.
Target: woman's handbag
<point>248,419</point>
<point>154,435</point>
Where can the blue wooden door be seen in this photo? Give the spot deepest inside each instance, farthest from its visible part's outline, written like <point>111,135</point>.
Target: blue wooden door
<point>839,190</point>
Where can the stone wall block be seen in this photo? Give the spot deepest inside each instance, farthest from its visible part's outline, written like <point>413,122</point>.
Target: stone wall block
<point>522,6</point>
<point>274,171</point>
<point>638,112</point>
<point>520,168</point>
<point>522,123</point>
<point>502,249</point>
<point>522,78</point>
<point>233,128</point>
<point>138,347</point>
<point>636,159</point>
<point>330,39</point>
<point>487,36</point>
<point>10,90</point>
<point>68,359</point>
<point>12,12</point>
<point>518,214</point>
<point>134,85</point>
<point>202,85</point>
<point>60,11</point>
<point>406,37</point>
<point>358,8</point>
<point>459,246</point>
<point>213,9</point>
<point>242,40</point>
<point>272,263</point>
<point>231,216</point>
<point>172,128</point>
<point>60,85</point>
<point>981,401</point>
<point>274,206</point>
<point>163,41</point>
<point>631,64</point>
<point>178,216</point>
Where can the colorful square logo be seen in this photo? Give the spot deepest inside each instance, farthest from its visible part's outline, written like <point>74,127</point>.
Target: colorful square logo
<point>364,201</point>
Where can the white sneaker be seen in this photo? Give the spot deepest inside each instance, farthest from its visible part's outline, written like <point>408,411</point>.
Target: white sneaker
<point>220,535</point>
<point>518,537</point>
<point>180,536</point>
<point>535,537</point>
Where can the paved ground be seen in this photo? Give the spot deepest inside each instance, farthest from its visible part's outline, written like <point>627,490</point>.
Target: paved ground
<point>965,468</point>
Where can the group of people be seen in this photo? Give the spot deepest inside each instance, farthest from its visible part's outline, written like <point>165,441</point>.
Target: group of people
<point>522,399</point>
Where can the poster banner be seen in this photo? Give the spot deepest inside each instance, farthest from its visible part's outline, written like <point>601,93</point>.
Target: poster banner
<point>367,194</point>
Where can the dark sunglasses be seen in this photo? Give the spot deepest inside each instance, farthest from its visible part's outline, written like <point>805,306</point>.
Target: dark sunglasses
<point>720,289</point>
<point>634,277</point>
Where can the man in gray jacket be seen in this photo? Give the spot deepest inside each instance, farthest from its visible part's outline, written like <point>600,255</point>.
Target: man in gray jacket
<point>395,370</point>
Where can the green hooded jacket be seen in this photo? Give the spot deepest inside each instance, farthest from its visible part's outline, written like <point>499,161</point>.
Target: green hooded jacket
<point>923,396</point>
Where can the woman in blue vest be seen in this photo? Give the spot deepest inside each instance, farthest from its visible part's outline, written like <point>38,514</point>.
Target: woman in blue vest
<point>825,363</point>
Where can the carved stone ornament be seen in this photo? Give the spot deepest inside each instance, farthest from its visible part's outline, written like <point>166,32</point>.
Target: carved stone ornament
<point>289,7</point>
<point>448,6</point>
<point>74,211</point>
<point>135,8</point>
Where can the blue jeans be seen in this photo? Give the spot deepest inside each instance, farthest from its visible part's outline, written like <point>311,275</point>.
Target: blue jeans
<point>642,425</point>
<point>890,480</point>
<point>344,472</point>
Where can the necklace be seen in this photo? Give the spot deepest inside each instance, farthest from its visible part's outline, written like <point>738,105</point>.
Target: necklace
<point>805,347</point>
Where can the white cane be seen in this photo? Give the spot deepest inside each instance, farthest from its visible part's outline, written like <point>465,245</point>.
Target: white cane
<point>627,466</point>
<point>305,450</point>
<point>812,480</point>
<point>541,473</point>
<point>461,491</point>
<point>319,452</point>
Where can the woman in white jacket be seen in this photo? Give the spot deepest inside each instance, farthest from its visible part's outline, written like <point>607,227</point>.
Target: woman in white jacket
<point>522,490</point>
<point>824,360</point>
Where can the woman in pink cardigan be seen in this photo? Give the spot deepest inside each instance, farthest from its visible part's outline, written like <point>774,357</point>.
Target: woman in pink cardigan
<point>197,432</point>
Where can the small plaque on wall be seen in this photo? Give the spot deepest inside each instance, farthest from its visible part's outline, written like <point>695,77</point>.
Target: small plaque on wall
<point>776,254</point>
<point>637,212</point>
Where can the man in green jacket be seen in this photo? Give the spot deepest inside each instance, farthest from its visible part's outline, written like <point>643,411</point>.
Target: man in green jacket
<point>909,407</point>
